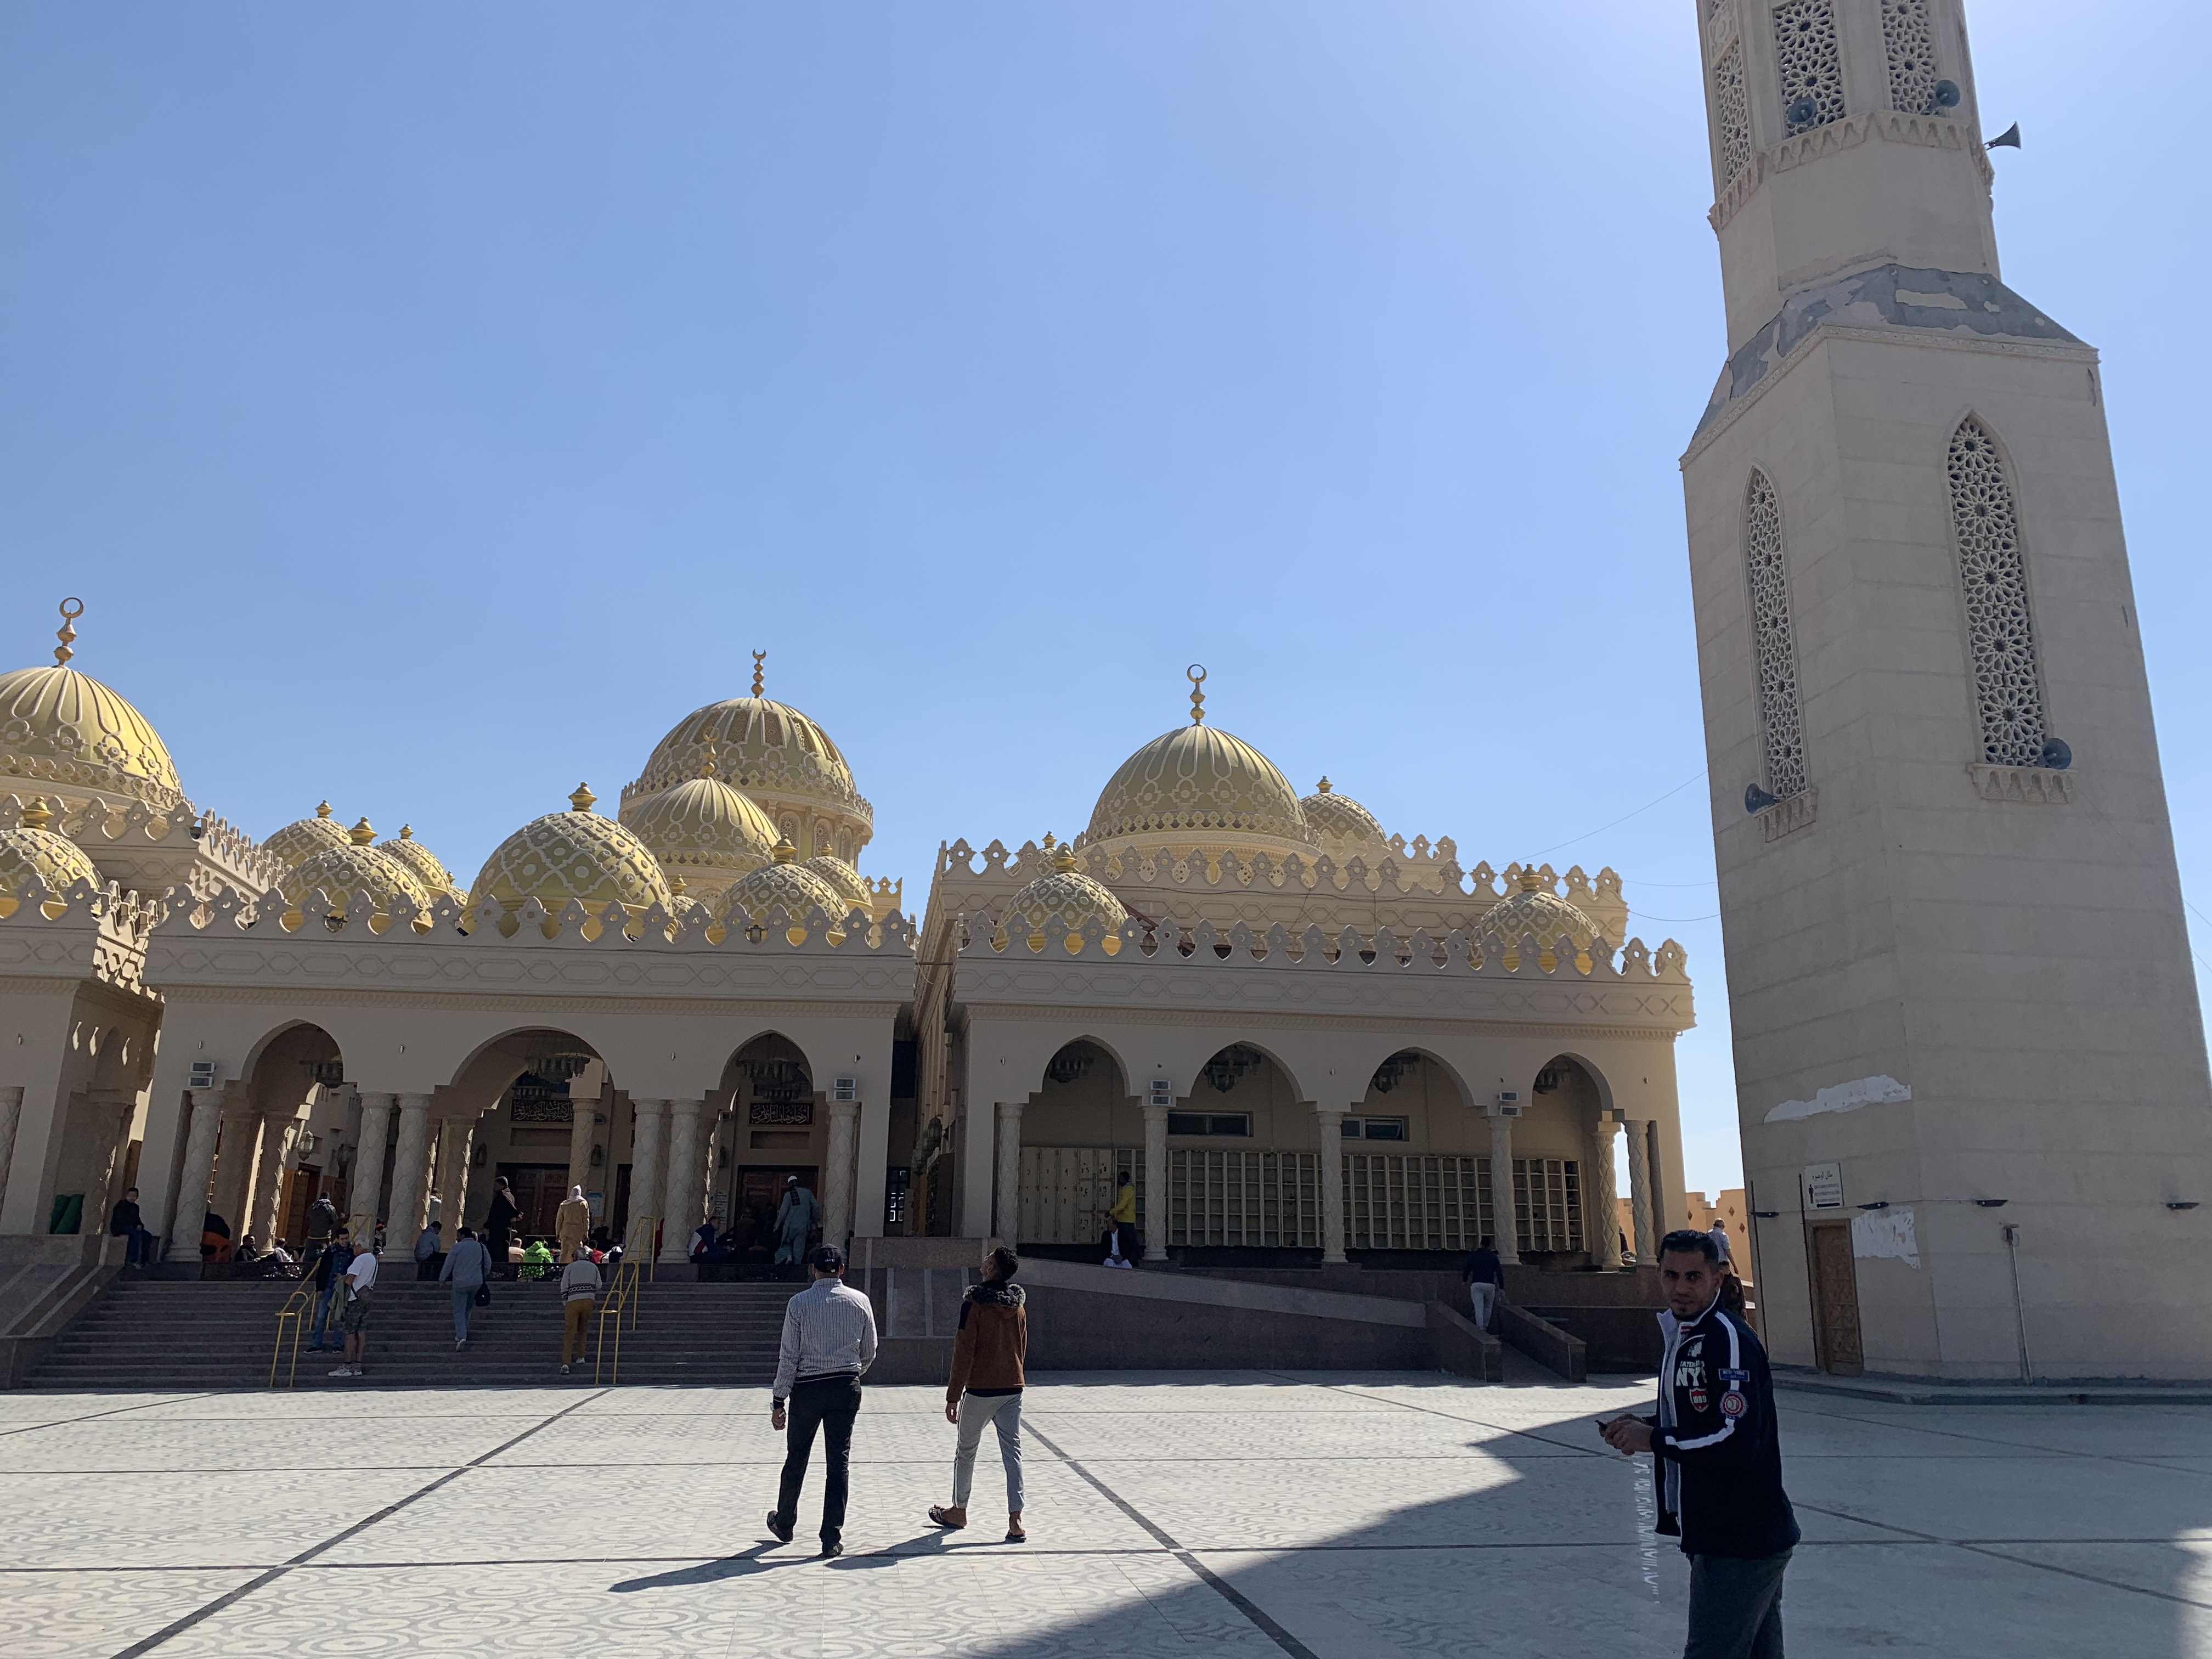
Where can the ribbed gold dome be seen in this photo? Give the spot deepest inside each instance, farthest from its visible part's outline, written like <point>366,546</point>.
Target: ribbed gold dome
<point>1343,827</point>
<point>786,882</point>
<point>703,828</point>
<point>425,866</point>
<point>575,855</point>
<point>1054,907</point>
<point>305,837</point>
<point>1202,786</point>
<point>66,727</point>
<point>850,886</point>
<point>1535,911</point>
<point>340,872</point>
<point>35,850</point>
<point>759,744</point>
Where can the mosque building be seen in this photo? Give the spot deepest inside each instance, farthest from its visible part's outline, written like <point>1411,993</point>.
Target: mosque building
<point>1300,1038</point>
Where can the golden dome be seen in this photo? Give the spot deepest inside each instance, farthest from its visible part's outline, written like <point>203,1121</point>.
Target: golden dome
<point>339,873</point>
<point>34,850</point>
<point>575,855</point>
<point>681,904</point>
<point>425,866</point>
<point>1343,826</point>
<point>763,744</point>
<point>1196,784</point>
<point>704,827</point>
<point>788,883</point>
<point>1056,906</point>
<point>66,727</point>
<point>1535,911</point>
<point>850,886</point>
<point>305,837</point>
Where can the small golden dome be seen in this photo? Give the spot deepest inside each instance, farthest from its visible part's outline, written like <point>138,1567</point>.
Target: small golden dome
<point>1054,907</point>
<point>681,904</point>
<point>850,886</point>
<point>305,837</point>
<point>425,866</point>
<point>787,882</point>
<point>34,850</point>
<point>704,827</point>
<point>1198,784</point>
<point>1343,827</point>
<point>66,727</point>
<point>1535,911</point>
<point>339,873</point>
<point>762,745</point>
<point>575,855</point>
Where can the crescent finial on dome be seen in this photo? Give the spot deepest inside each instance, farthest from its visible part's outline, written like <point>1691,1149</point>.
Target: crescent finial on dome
<point>581,799</point>
<point>707,767</point>
<point>67,630</point>
<point>1196,675</point>
<point>759,657</point>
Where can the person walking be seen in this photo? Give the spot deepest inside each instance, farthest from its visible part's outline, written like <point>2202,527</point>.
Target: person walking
<point>986,1387</point>
<point>468,1265</point>
<point>796,1218</point>
<point>322,1226</point>
<point>1720,1237</point>
<point>125,1222</point>
<point>1720,1459</point>
<point>1121,1241</point>
<point>499,1222</point>
<point>353,1317</point>
<point>1485,1279</point>
<point>579,1291</point>
<point>328,1278</point>
<point>572,1222</point>
<point>829,1343</point>
<point>428,1245</point>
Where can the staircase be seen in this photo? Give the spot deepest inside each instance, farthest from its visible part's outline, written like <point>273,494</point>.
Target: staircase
<point>218,1334</point>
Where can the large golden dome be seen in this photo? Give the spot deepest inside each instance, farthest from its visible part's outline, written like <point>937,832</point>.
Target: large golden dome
<point>34,850</point>
<point>1054,907</point>
<point>575,855</point>
<point>340,872</point>
<point>703,828</point>
<point>305,837</point>
<point>1198,786</point>
<point>61,727</point>
<point>1343,827</point>
<point>425,866</point>
<point>759,745</point>
<point>787,882</point>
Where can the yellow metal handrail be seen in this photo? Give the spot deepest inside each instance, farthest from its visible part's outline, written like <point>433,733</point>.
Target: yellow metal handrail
<point>644,1234</point>
<point>298,1306</point>
<point>622,1300</point>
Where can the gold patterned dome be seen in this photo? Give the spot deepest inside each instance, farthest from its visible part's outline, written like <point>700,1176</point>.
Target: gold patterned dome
<point>425,866</point>
<point>681,904</point>
<point>1343,826</point>
<point>785,882</point>
<point>65,727</point>
<point>576,854</point>
<point>762,746</point>
<point>1054,907</point>
<point>358,866</point>
<point>850,886</point>
<point>303,838</point>
<point>704,828</point>
<point>1198,784</point>
<point>1534,910</point>
<point>34,850</point>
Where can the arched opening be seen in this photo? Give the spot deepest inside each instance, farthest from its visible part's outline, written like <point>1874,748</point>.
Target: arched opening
<point>531,1108</point>
<point>1557,1194</point>
<point>1081,1134</point>
<point>772,1135</point>
<point>1243,1169</point>
<point>282,1141</point>
<point>1416,1166</point>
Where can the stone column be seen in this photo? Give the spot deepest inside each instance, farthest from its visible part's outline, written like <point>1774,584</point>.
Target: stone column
<point>583,1132</point>
<point>268,1178</point>
<point>644,1186</point>
<point>1332,1181</point>
<point>1506,1239</point>
<point>365,1190</point>
<point>1599,1197</point>
<point>234,1164</point>
<point>1006,1210</point>
<point>682,1191</point>
<point>837,1183</point>
<point>193,1174</point>
<point>113,1110</point>
<point>1639,1188</point>
<point>456,1140</point>
<point>410,1170</point>
<point>11,1114</point>
<point>1156,1183</point>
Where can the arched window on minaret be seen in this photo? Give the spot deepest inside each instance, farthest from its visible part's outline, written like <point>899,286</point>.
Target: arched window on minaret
<point>1811,63</point>
<point>1908,40</point>
<point>1774,640</point>
<point>1985,524</point>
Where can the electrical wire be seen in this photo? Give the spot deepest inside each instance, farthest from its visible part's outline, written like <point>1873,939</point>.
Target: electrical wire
<point>1624,816</point>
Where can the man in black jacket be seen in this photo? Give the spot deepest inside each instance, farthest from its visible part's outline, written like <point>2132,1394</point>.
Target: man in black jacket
<point>1720,1461</point>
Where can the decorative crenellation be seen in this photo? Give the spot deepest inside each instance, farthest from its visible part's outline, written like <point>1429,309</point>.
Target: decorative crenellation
<point>92,823</point>
<point>1993,573</point>
<point>1810,63</point>
<point>1893,126</point>
<point>1774,639</point>
<point>2037,786</point>
<point>118,923</point>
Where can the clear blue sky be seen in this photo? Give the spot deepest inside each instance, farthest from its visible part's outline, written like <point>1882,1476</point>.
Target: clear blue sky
<point>433,404</point>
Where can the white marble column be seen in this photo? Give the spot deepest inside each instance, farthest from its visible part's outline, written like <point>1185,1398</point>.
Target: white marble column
<point>193,1174</point>
<point>1600,1205</point>
<point>645,1190</point>
<point>113,1109</point>
<point>1639,1190</point>
<point>365,1188</point>
<point>233,1164</point>
<point>1332,1181</point>
<point>583,1131</point>
<point>1156,1183</point>
<point>1506,1237</point>
<point>681,1192</point>
<point>268,1178</point>
<point>456,1143</point>
<point>1006,1209</point>
<point>11,1114</point>
<point>837,1183</point>
<point>411,1171</point>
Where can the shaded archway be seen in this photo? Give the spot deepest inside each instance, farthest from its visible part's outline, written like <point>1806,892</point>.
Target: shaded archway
<point>534,1107</point>
<point>1416,1187</point>
<point>1082,1133</point>
<point>1243,1159</point>
<point>772,1130</point>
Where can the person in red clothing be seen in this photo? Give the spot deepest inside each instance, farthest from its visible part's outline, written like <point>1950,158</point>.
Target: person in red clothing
<point>986,1388</point>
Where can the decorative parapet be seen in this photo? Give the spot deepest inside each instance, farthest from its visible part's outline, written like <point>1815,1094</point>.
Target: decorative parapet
<point>1894,126</point>
<point>2040,786</point>
<point>1788,816</point>
<point>76,932</point>
<point>220,850</point>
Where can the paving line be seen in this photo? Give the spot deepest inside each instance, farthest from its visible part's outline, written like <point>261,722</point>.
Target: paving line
<point>1228,1592</point>
<point>63,1422</point>
<point>149,1644</point>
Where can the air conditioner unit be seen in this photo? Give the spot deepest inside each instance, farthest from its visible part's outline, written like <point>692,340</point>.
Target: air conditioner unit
<point>203,1074</point>
<point>845,1089</point>
<point>1161,1092</point>
<point>1509,1096</point>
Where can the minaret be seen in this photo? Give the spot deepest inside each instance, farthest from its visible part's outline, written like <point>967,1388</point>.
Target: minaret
<point>1970,1063</point>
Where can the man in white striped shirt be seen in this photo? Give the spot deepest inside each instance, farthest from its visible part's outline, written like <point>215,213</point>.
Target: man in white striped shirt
<point>829,1340</point>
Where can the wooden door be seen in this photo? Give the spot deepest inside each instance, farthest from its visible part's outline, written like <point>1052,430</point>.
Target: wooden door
<point>1835,1288</point>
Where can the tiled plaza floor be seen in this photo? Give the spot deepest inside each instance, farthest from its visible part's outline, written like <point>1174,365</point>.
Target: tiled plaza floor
<point>1228,1514</point>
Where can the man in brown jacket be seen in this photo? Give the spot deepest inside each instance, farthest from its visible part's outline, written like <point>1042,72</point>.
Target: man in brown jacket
<point>987,1387</point>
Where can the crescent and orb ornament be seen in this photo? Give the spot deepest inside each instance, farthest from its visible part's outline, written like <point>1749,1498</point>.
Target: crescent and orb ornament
<point>1196,675</point>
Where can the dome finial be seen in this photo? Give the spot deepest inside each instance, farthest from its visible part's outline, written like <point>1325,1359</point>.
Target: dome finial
<point>707,765</point>
<point>1324,784</point>
<point>1530,881</point>
<point>68,631</point>
<point>759,657</point>
<point>580,800</point>
<point>406,832</point>
<point>324,811</point>
<point>1049,843</point>
<point>361,835</point>
<point>37,815</point>
<point>1196,675</point>
<point>785,852</point>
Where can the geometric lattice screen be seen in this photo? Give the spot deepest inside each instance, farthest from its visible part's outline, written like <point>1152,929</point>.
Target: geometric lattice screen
<point>1734,112</point>
<point>1910,44</point>
<point>1811,67</point>
<point>2001,634</point>
<point>1774,640</point>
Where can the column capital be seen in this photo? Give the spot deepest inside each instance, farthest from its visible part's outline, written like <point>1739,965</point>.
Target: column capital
<point>1337,1112</point>
<point>1154,1113</point>
<point>1010,1107</point>
<point>842,1108</point>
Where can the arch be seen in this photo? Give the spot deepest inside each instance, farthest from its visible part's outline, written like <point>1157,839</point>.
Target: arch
<point>492,1066</point>
<point>1773,639</point>
<point>1992,565</point>
<point>1582,1063</point>
<point>1425,1057</point>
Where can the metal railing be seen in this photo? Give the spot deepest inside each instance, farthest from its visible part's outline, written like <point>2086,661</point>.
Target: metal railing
<point>620,1307</point>
<point>298,1308</point>
<point>644,1243</point>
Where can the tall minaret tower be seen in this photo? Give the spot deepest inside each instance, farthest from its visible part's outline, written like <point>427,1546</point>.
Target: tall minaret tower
<point>1970,1063</point>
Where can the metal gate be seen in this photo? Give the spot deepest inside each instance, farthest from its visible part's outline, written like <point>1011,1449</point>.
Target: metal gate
<point>1409,1202</point>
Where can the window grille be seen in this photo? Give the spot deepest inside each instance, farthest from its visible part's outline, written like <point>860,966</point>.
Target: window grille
<point>1774,640</point>
<point>1985,523</point>
<point>1415,1203</point>
<point>1812,68</point>
<point>1249,1199</point>
<point>1547,1204</point>
<point>1733,110</point>
<point>1069,1192</point>
<point>1910,43</point>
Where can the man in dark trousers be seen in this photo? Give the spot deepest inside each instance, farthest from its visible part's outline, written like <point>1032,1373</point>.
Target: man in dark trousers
<point>829,1340</point>
<point>125,1222</point>
<point>1720,1459</point>
<point>1485,1276</point>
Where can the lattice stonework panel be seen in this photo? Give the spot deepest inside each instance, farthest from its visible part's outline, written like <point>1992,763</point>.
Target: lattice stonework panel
<point>1548,1203</point>
<point>1985,523</point>
<point>1812,68</point>
<point>1067,1192</point>
<point>1415,1203</point>
<point>1910,43</point>
<point>1269,1200</point>
<point>1733,110</point>
<point>1774,639</point>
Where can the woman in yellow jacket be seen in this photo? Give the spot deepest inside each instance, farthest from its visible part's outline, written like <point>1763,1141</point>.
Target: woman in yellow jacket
<point>1121,1236</point>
